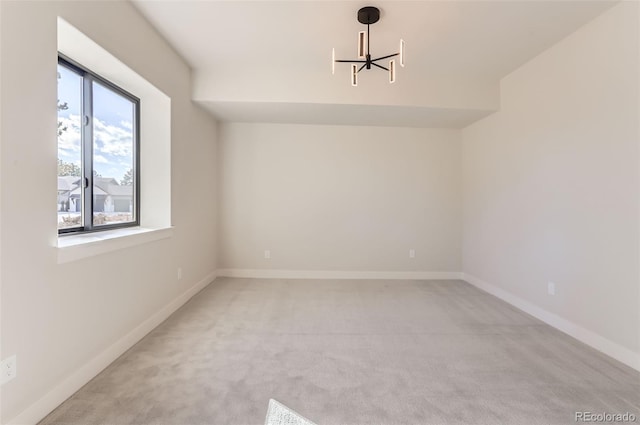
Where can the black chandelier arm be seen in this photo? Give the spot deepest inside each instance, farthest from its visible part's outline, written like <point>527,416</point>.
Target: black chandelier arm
<point>362,67</point>
<point>379,66</point>
<point>348,61</point>
<point>385,57</point>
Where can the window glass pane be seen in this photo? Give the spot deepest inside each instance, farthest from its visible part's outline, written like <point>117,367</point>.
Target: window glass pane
<point>69,149</point>
<point>113,157</point>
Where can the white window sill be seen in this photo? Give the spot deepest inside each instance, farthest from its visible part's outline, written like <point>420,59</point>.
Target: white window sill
<point>76,247</point>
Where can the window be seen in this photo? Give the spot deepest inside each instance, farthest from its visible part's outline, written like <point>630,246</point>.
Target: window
<point>98,152</point>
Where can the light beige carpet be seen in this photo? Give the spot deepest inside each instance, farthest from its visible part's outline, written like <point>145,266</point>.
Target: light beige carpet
<point>346,352</point>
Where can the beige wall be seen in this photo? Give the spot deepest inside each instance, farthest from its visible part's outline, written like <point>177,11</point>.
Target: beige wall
<point>339,198</point>
<point>57,318</point>
<point>551,183</point>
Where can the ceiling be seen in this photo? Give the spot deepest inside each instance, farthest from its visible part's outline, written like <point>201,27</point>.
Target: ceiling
<point>270,61</point>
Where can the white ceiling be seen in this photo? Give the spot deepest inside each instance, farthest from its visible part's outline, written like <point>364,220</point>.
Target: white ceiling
<point>270,61</point>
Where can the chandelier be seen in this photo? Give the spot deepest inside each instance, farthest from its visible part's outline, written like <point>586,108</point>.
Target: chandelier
<point>367,16</point>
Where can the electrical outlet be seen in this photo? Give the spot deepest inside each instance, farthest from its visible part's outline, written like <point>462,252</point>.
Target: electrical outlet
<point>551,288</point>
<point>8,369</point>
<point>267,254</point>
<point>179,273</point>
<point>412,253</point>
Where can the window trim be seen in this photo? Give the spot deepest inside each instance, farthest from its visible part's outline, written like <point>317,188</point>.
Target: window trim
<point>88,77</point>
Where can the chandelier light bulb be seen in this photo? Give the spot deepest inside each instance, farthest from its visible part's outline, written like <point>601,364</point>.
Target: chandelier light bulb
<point>392,71</point>
<point>362,44</point>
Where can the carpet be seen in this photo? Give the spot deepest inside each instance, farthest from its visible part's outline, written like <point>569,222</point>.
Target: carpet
<point>352,352</point>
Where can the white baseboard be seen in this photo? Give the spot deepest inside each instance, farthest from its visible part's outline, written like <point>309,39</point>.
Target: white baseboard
<point>336,274</point>
<point>41,408</point>
<point>604,345</point>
